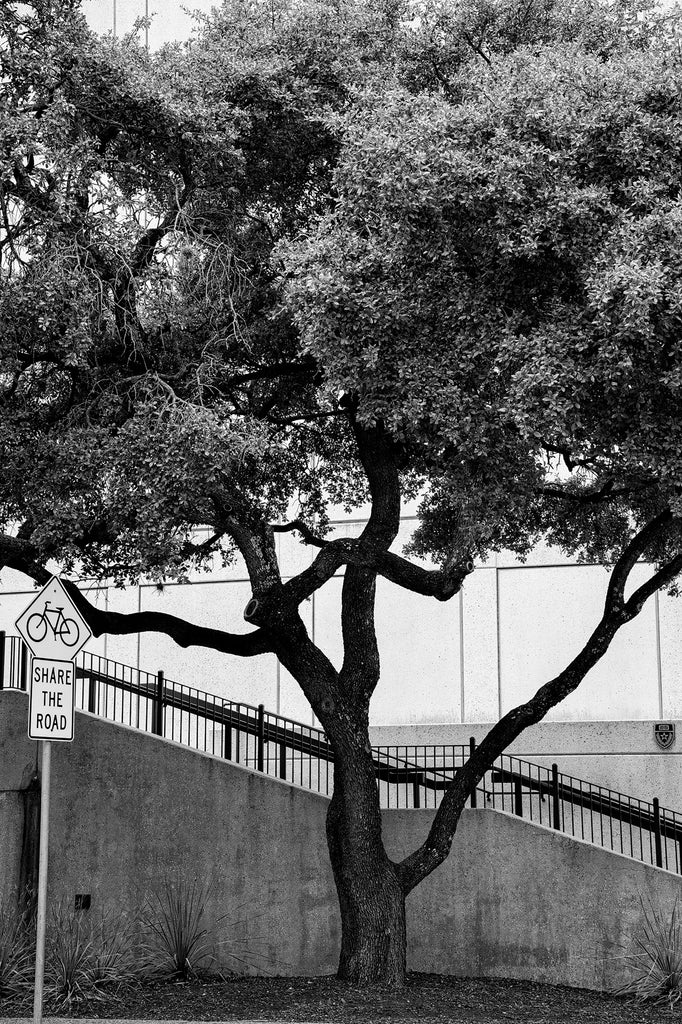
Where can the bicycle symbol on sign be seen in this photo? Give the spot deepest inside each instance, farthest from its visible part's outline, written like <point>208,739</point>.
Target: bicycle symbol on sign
<point>62,628</point>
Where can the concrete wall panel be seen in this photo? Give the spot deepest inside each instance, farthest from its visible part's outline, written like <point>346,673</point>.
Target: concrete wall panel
<point>545,617</point>
<point>479,648</point>
<point>124,649</point>
<point>670,626</point>
<point>169,21</point>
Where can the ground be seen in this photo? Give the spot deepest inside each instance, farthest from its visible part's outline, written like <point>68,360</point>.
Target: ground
<point>428,998</point>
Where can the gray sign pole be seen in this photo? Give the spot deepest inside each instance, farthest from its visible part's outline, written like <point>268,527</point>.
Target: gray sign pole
<point>54,632</point>
<point>42,880</point>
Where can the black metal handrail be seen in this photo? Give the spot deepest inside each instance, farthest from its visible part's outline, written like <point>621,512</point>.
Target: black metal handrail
<point>407,776</point>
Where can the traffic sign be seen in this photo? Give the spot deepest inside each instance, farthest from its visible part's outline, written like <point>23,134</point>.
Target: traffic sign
<point>52,705</point>
<point>51,626</point>
<point>54,631</point>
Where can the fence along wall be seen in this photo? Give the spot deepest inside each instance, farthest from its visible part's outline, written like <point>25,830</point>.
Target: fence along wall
<point>407,775</point>
<point>129,809</point>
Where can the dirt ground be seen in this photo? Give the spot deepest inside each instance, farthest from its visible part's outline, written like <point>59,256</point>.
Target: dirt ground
<point>428,998</point>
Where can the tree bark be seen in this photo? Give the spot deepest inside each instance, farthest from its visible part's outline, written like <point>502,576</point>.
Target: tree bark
<point>371,896</point>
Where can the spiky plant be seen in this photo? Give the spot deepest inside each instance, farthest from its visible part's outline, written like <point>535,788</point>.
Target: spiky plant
<point>655,959</point>
<point>115,953</point>
<point>68,956</point>
<point>16,950</point>
<point>178,942</point>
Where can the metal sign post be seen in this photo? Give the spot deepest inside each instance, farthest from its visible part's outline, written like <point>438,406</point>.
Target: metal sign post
<point>54,632</point>
<point>41,919</point>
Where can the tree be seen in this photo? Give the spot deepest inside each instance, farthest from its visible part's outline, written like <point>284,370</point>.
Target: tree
<point>325,254</point>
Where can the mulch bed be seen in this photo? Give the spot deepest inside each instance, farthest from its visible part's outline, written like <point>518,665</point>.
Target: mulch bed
<point>428,998</point>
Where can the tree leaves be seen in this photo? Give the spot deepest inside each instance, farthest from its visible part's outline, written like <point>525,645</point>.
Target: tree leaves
<point>464,227</point>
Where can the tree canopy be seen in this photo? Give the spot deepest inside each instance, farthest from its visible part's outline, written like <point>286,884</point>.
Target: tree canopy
<point>328,254</point>
<point>466,230</point>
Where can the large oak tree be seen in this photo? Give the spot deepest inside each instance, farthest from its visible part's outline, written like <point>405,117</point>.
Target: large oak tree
<point>339,253</point>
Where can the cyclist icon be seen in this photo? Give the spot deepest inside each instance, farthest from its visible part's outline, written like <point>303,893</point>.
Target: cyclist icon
<point>52,618</point>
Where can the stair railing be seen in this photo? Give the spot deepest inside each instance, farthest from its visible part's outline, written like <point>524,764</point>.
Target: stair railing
<point>408,776</point>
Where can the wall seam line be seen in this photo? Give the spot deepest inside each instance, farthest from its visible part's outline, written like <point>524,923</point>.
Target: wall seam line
<point>659,668</point>
<point>499,643</point>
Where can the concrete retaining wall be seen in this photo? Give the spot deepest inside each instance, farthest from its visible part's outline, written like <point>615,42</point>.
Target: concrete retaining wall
<point>129,810</point>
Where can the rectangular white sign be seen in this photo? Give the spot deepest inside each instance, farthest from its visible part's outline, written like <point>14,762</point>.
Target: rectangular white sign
<point>52,707</point>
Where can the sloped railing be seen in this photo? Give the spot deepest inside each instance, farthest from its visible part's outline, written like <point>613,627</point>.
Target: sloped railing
<point>408,776</point>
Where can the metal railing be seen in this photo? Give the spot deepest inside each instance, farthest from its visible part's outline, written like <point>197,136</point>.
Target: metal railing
<point>409,776</point>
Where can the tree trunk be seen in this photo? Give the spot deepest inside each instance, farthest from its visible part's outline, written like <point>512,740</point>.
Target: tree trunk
<point>371,897</point>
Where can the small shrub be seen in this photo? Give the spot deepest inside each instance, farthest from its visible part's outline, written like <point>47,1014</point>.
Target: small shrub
<point>85,956</point>
<point>17,951</point>
<point>178,943</point>
<point>115,954</point>
<point>655,961</point>
<point>68,956</point>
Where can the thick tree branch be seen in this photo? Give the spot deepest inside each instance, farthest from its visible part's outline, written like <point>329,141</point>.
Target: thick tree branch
<point>146,245</point>
<point>257,548</point>
<point>605,493</point>
<point>271,372</point>
<point>17,553</point>
<point>20,554</point>
<point>185,634</point>
<point>308,536</point>
<point>439,583</point>
<point>359,673</point>
<point>662,578</point>
<point>311,668</point>
<point>615,594</point>
<point>376,451</point>
<point>414,868</point>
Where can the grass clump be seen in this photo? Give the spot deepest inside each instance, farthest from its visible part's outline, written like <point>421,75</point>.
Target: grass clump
<point>17,950</point>
<point>655,960</point>
<point>85,958</point>
<point>178,942</point>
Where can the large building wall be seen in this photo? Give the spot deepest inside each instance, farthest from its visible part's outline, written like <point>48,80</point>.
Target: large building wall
<point>128,810</point>
<point>168,21</point>
<point>464,661</point>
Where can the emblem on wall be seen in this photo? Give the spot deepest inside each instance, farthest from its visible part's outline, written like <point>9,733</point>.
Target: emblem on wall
<point>664,733</point>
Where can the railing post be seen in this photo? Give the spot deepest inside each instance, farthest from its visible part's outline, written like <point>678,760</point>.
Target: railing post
<point>282,760</point>
<point>657,834</point>
<point>416,789</point>
<point>23,665</point>
<point>518,798</point>
<point>472,748</point>
<point>556,809</point>
<point>261,737</point>
<point>158,706</point>
<point>227,738</point>
<point>2,659</point>
<point>92,695</point>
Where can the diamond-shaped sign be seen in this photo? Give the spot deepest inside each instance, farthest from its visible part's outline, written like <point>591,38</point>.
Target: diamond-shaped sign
<point>51,626</point>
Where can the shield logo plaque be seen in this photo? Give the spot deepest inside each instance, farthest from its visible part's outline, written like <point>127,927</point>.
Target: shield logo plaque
<point>664,733</point>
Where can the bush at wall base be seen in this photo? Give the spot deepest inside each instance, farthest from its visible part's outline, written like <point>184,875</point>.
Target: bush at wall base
<point>655,959</point>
